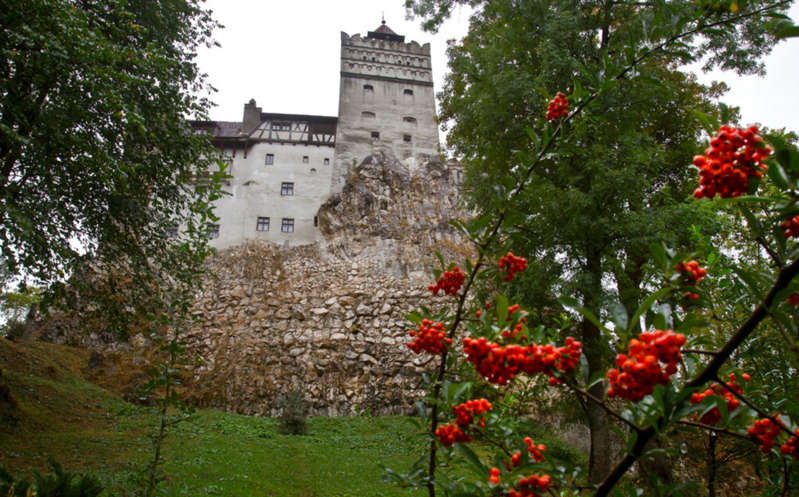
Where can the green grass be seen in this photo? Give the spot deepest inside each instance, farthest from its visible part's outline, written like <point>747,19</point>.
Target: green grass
<point>88,429</point>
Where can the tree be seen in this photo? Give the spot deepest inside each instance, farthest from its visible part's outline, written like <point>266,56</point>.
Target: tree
<point>617,181</point>
<point>98,164</point>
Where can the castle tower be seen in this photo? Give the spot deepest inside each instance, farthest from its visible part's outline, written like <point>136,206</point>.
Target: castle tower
<point>386,101</point>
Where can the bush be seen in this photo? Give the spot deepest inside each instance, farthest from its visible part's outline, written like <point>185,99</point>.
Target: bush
<point>59,484</point>
<point>14,330</point>
<point>294,418</point>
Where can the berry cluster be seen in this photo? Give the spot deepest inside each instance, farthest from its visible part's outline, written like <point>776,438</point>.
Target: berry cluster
<point>493,476</point>
<point>458,432</point>
<point>532,486</point>
<point>535,451</point>
<point>764,431</point>
<point>465,413</point>
<point>508,334</point>
<point>793,299</point>
<point>558,107</point>
<point>512,264</point>
<point>431,337</point>
<point>449,282</point>
<point>790,227</point>
<point>691,271</point>
<point>734,156</point>
<point>450,434</point>
<point>713,416</point>
<point>500,364</point>
<point>641,370</point>
<point>791,447</point>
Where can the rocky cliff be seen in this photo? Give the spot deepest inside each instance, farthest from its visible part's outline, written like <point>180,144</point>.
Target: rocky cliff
<point>327,319</point>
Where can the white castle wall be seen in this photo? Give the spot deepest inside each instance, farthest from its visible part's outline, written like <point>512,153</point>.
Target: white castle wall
<point>255,191</point>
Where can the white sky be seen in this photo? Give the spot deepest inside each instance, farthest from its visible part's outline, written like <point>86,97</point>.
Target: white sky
<point>285,55</point>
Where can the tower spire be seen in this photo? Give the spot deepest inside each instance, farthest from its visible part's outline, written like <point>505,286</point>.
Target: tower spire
<point>383,18</point>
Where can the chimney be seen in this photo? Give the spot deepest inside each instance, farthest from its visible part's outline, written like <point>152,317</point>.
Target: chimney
<point>252,117</point>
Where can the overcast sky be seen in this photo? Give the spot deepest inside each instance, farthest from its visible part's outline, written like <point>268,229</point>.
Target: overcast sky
<point>285,55</point>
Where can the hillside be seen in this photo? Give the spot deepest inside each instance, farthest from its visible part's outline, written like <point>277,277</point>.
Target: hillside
<point>59,414</point>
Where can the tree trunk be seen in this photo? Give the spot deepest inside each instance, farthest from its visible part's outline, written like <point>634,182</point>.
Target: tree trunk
<point>601,455</point>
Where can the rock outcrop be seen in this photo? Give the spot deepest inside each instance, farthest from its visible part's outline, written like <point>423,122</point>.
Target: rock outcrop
<point>327,319</point>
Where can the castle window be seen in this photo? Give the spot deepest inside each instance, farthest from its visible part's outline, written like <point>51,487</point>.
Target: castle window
<point>326,162</point>
<point>367,115</point>
<point>313,170</point>
<point>368,88</point>
<point>287,225</point>
<point>305,159</point>
<point>408,92</point>
<point>375,135</point>
<point>286,189</point>
<point>212,231</point>
<point>270,159</point>
<point>262,224</point>
<point>406,138</point>
<point>316,221</point>
<point>409,120</point>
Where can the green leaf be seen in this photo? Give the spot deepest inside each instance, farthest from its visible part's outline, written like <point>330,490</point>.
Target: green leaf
<point>708,122</point>
<point>645,306</point>
<point>789,32</point>
<point>476,464</point>
<point>501,303</point>
<point>778,175</point>
<point>573,304</point>
<point>618,314</point>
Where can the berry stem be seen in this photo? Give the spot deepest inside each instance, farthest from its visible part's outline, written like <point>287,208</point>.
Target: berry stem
<point>754,407</point>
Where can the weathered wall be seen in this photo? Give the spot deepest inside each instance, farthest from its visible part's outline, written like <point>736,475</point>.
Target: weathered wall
<point>328,318</point>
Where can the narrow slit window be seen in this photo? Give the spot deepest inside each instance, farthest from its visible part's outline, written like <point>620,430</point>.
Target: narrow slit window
<point>326,162</point>
<point>305,159</point>
<point>270,159</point>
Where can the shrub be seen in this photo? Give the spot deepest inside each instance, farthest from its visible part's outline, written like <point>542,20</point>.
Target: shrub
<point>293,419</point>
<point>58,484</point>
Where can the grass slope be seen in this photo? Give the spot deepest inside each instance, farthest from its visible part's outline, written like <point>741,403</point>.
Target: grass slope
<point>61,415</point>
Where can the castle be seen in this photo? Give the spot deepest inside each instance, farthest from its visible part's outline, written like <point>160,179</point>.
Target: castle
<point>283,167</point>
<point>329,231</point>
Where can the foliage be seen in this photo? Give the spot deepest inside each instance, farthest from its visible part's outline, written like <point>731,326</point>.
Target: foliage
<point>293,418</point>
<point>97,161</point>
<point>59,483</point>
<point>611,174</point>
<point>15,307</point>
